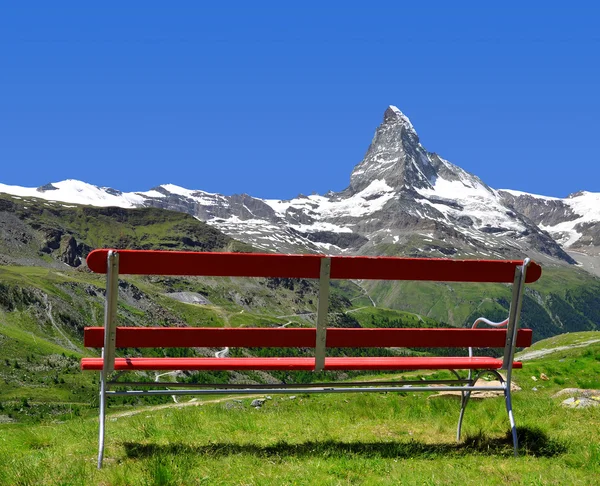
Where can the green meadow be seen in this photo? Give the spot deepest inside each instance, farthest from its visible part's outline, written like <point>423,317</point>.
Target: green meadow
<point>377,438</point>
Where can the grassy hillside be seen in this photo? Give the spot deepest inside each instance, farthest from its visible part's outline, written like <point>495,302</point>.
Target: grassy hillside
<point>43,312</point>
<point>38,232</point>
<point>568,360</point>
<point>563,300</point>
<point>337,439</point>
<point>47,297</point>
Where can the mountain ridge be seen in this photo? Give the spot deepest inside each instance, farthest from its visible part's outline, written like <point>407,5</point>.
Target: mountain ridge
<point>401,199</point>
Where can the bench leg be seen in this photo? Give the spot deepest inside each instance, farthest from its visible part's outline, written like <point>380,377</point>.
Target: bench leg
<point>465,395</point>
<point>102,418</point>
<point>511,418</point>
<point>463,405</point>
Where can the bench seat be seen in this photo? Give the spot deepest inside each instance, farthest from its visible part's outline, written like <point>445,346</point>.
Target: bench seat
<point>291,364</point>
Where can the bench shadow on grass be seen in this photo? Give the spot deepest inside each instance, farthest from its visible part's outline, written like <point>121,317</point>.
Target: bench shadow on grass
<point>532,442</point>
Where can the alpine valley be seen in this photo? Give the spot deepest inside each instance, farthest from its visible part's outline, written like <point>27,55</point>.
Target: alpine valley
<point>401,200</point>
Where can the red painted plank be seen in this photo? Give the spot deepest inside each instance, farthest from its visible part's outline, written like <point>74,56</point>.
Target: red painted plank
<point>430,269</point>
<point>214,364</point>
<point>149,262</point>
<point>412,363</point>
<point>210,337</point>
<point>423,338</point>
<point>270,364</point>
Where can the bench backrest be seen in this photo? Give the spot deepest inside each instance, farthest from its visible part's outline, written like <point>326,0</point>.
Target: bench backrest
<point>324,268</point>
<point>183,263</point>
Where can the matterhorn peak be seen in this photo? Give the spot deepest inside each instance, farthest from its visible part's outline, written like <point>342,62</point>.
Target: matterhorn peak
<point>395,156</point>
<point>394,115</point>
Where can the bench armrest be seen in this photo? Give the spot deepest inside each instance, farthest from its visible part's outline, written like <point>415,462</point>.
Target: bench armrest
<point>489,323</point>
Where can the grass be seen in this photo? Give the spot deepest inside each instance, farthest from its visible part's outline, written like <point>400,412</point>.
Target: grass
<point>571,338</point>
<point>578,366</point>
<point>381,317</point>
<point>562,300</point>
<point>374,438</point>
<point>356,439</point>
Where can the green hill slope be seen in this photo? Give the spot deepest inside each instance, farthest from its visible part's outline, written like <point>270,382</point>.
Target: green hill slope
<point>404,438</point>
<point>47,297</point>
<point>563,300</point>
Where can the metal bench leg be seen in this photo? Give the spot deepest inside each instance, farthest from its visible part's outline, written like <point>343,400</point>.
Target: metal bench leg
<point>110,338</point>
<point>511,342</point>
<point>511,418</point>
<point>463,406</point>
<point>102,418</point>
<point>465,395</point>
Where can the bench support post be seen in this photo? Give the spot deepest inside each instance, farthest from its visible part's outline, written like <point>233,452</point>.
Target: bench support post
<point>513,318</point>
<point>464,400</point>
<point>465,395</point>
<point>470,388</point>
<point>101,431</point>
<point>110,337</point>
<point>511,342</point>
<point>321,340</point>
<point>511,418</point>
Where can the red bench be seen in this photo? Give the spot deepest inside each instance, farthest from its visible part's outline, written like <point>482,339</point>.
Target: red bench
<point>324,268</point>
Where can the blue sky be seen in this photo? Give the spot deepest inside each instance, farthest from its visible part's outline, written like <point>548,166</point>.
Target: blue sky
<point>278,98</point>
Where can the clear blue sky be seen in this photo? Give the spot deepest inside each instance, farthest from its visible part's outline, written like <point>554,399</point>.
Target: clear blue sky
<point>275,99</point>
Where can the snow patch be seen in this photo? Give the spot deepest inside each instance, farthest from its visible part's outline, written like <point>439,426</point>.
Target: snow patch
<point>478,202</point>
<point>77,192</point>
<point>521,193</point>
<point>321,226</point>
<point>180,191</point>
<point>584,204</point>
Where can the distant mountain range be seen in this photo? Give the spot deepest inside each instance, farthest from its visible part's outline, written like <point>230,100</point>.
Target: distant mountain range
<point>401,200</point>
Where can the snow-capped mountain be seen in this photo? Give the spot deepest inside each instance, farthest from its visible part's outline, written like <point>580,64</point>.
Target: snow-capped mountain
<point>574,222</point>
<point>401,199</point>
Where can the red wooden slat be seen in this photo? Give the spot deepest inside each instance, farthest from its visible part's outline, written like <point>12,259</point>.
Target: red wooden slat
<point>140,337</point>
<point>430,269</point>
<point>149,262</point>
<point>412,363</point>
<point>269,364</point>
<point>207,337</point>
<point>214,364</point>
<point>423,338</point>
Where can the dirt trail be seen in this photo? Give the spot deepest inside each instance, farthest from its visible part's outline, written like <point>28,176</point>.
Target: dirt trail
<point>191,403</point>
<point>69,344</point>
<point>538,353</point>
<point>359,284</point>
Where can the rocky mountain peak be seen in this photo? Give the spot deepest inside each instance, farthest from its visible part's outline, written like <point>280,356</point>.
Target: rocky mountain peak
<point>393,115</point>
<point>394,156</point>
<point>46,187</point>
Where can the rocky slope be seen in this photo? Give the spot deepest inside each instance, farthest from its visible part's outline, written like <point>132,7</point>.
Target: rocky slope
<point>574,222</point>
